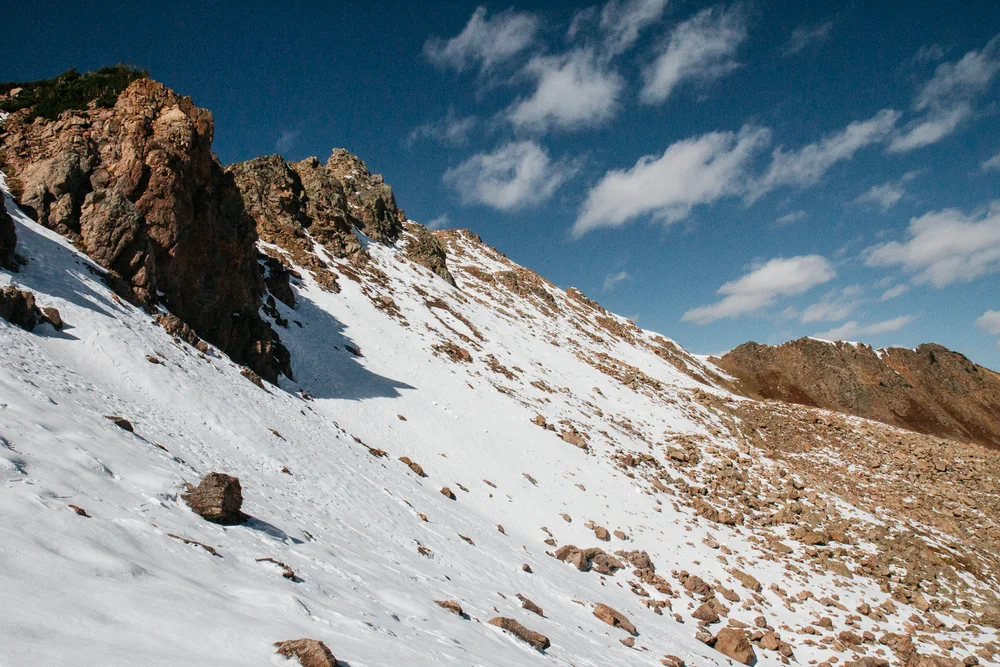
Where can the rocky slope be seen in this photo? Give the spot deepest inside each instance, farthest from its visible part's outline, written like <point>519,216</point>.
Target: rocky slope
<point>930,389</point>
<point>464,465</point>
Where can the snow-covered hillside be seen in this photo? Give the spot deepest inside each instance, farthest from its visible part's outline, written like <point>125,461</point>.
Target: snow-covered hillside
<point>644,443</point>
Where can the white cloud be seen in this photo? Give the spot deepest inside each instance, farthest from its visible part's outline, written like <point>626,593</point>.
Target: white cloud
<point>803,37</point>
<point>440,222</point>
<point>852,330</point>
<point>484,41</point>
<point>807,165</point>
<point>893,292</point>
<point>791,218</point>
<point>621,22</point>
<point>990,320</point>
<point>928,53</point>
<point>513,176</point>
<point>764,285</point>
<point>945,246</point>
<point>690,172</point>
<point>887,195</point>
<point>699,49</point>
<point>613,279</point>
<point>834,306</point>
<point>947,99</point>
<point>573,90</point>
<point>452,129</point>
<point>991,164</point>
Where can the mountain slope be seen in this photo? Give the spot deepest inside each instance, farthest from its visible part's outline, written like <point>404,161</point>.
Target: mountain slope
<point>818,538</point>
<point>930,389</point>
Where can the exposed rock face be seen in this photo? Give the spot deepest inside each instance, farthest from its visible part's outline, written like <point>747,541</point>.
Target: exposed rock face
<point>614,618</point>
<point>309,652</point>
<point>8,237</point>
<point>218,498</point>
<point>18,308</point>
<point>370,199</point>
<point>536,639</point>
<point>425,249</point>
<point>930,390</point>
<point>137,188</point>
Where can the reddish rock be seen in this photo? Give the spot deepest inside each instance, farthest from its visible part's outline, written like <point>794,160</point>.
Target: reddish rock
<point>415,467</point>
<point>448,493</point>
<point>309,652</point>
<point>536,639</point>
<point>614,618</point>
<point>218,498</point>
<point>18,307</point>
<point>733,642</point>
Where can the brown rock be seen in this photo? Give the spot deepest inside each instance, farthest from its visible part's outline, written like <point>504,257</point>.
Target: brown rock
<point>218,498</point>
<point>415,467</point>
<point>536,639</point>
<point>601,533</point>
<point>706,612</point>
<point>529,605</point>
<point>121,423</point>
<point>447,493</point>
<point>309,652</point>
<point>54,318</point>
<point>733,642</point>
<point>614,618</point>
<point>18,307</point>
<point>452,606</point>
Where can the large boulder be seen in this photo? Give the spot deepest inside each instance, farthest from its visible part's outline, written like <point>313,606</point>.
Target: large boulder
<point>309,652</point>
<point>218,498</point>
<point>136,187</point>
<point>536,639</point>
<point>614,618</point>
<point>18,307</point>
<point>733,642</point>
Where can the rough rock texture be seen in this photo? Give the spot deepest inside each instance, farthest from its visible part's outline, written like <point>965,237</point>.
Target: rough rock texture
<point>425,249</point>
<point>930,389</point>
<point>614,618</point>
<point>536,639</point>
<point>18,308</point>
<point>218,498</point>
<point>371,201</point>
<point>137,188</point>
<point>8,237</point>
<point>733,642</point>
<point>309,652</point>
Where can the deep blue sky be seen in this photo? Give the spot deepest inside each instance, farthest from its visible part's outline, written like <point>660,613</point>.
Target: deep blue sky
<point>736,81</point>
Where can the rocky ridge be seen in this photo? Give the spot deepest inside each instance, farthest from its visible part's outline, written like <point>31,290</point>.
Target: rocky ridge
<point>930,389</point>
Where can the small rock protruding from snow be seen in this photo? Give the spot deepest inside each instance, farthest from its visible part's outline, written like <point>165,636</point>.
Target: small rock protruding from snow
<point>535,639</point>
<point>309,652</point>
<point>218,498</point>
<point>614,618</point>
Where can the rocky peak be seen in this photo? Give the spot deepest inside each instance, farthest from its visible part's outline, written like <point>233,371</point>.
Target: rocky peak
<point>370,199</point>
<point>930,389</point>
<point>136,187</point>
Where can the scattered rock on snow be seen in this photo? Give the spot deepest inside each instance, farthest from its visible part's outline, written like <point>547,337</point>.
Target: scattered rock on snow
<point>733,642</point>
<point>218,498</point>
<point>447,493</point>
<point>309,652</point>
<point>614,618</point>
<point>415,467</point>
<point>453,607</point>
<point>121,423</point>
<point>536,639</point>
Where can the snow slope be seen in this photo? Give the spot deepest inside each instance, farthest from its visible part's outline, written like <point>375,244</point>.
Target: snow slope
<point>116,588</point>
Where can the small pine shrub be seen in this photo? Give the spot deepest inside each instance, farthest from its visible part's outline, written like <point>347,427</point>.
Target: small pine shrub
<point>48,98</point>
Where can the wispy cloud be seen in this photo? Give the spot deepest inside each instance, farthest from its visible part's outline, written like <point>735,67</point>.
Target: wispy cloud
<point>791,218</point>
<point>990,320</point>
<point>852,330</point>
<point>613,279</point>
<point>805,37</point>
<point>690,172</point>
<point>834,306</point>
<point>807,165</point>
<point>622,22</point>
<point>452,129</point>
<point>947,99</point>
<point>511,177</point>
<point>440,222</point>
<point>573,90</point>
<point>893,292</point>
<point>763,286</point>
<point>944,247</point>
<point>485,42</point>
<point>887,195</point>
<point>286,140</point>
<point>992,164</point>
<point>701,49</point>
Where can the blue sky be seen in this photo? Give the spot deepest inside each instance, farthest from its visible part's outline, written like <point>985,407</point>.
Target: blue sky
<point>720,172</point>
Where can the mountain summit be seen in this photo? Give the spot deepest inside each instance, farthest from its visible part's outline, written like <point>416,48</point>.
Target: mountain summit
<point>254,414</point>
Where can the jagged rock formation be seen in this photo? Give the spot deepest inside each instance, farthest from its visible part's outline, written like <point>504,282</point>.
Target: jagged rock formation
<point>137,188</point>
<point>371,201</point>
<point>930,389</point>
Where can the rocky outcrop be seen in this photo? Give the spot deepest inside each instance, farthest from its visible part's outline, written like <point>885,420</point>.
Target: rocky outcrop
<point>18,307</point>
<point>371,201</point>
<point>427,250</point>
<point>930,390</point>
<point>8,237</point>
<point>137,188</point>
<point>218,498</point>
